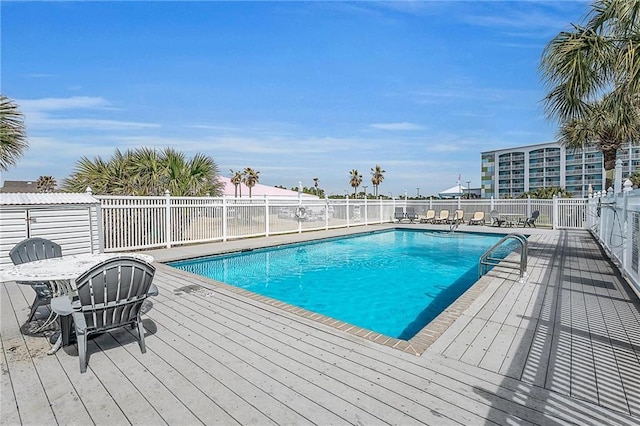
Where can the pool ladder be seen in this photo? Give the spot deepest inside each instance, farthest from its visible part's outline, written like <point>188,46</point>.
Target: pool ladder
<point>486,260</point>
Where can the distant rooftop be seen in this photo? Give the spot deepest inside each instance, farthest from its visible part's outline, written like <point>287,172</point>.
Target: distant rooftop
<point>19,186</point>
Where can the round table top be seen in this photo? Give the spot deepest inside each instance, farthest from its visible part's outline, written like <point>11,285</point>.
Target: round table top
<point>61,268</point>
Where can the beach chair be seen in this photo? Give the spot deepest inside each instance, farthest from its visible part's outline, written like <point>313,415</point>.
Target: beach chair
<point>495,218</point>
<point>458,217</point>
<point>428,217</point>
<point>30,250</point>
<point>109,295</point>
<point>477,219</point>
<point>531,221</point>
<point>443,218</point>
<point>398,214</point>
<point>411,214</point>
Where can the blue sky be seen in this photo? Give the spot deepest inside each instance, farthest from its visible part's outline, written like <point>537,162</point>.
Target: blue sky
<point>295,90</point>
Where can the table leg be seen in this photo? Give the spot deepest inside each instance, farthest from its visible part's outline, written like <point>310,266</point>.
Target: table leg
<point>56,345</point>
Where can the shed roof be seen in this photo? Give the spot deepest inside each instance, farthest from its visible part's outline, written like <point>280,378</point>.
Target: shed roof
<point>29,198</point>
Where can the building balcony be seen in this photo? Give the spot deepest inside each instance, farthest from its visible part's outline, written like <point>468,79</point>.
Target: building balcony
<point>574,161</point>
<point>536,155</point>
<point>574,172</point>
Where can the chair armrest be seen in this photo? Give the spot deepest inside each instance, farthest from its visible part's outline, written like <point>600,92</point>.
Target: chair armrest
<point>61,305</point>
<point>153,290</point>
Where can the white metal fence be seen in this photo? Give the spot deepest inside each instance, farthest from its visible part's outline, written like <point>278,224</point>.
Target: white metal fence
<point>615,220</point>
<point>133,223</point>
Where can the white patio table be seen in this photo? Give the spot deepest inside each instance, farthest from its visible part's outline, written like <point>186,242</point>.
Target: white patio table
<point>510,219</point>
<point>60,270</point>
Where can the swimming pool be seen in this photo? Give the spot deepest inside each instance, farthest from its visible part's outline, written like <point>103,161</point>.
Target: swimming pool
<point>392,282</point>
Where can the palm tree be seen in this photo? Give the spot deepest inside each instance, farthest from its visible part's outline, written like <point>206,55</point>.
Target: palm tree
<point>547,193</point>
<point>146,172</point>
<point>593,77</point>
<point>355,179</point>
<point>236,180</point>
<point>377,177</point>
<point>251,178</point>
<point>13,134</point>
<point>87,173</point>
<point>147,169</point>
<point>195,177</point>
<point>315,184</point>
<point>46,184</point>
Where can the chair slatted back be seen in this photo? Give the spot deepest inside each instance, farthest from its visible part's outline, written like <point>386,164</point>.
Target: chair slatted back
<point>33,249</point>
<point>111,293</point>
<point>458,215</point>
<point>444,214</point>
<point>431,214</point>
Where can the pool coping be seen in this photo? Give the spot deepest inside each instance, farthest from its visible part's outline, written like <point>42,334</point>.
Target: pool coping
<point>417,345</point>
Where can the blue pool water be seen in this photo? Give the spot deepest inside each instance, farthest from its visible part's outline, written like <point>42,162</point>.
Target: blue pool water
<point>392,282</point>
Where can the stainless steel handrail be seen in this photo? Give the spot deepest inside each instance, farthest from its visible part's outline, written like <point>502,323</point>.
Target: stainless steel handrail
<point>486,260</point>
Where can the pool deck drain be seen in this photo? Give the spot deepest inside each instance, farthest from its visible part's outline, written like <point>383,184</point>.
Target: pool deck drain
<point>560,347</point>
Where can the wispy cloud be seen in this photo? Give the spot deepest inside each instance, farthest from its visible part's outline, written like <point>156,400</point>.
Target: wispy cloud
<point>57,104</point>
<point>397,126</point>
<point>68,113</point>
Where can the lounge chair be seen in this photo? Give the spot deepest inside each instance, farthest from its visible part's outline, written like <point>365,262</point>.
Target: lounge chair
<point>495,218</point>
<point>411,214</point>
<point>428,217</point>
<point>30,250</point>
<point>477,219</point>
<point>398,214</point>
<point>110,295</point>
<point>443,218</point>
<point>531,221</point>
<point>458,217</point>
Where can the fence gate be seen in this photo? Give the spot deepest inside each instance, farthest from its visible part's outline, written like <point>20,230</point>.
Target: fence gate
<point>571,214</point>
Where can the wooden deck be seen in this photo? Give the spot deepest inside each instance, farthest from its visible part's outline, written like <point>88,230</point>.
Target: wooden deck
<point>560,348</point>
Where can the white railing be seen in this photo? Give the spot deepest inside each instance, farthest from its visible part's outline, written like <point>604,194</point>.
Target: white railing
<point>134,223</point>
<point>615,221</point>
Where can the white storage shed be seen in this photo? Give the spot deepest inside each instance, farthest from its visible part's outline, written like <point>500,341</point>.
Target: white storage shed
<point>69,219</point>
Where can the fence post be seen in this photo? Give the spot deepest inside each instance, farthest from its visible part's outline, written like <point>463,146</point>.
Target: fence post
<point>326,212</point>
<point>366,215</point>
<point>347,209</point>
<point>381,208</point>
<point>528,205</point>
<point>167,214</point>
<point>266,216</point>
<point>491,204</point>
<point>554,213</point>
<point>626,245</point>
<point>224,218</point>
<point>617,182</point>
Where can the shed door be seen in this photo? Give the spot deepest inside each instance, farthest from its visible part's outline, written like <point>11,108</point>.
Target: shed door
<point>69,226</point>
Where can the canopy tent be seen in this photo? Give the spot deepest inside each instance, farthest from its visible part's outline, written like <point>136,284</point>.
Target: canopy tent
<point>453,192</point>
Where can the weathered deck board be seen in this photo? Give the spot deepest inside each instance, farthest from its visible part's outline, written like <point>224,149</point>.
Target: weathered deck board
<point>579,326</point>
<point>215,356</point>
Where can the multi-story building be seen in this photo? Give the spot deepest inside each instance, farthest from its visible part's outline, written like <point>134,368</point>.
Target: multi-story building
<point>513,171</point>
